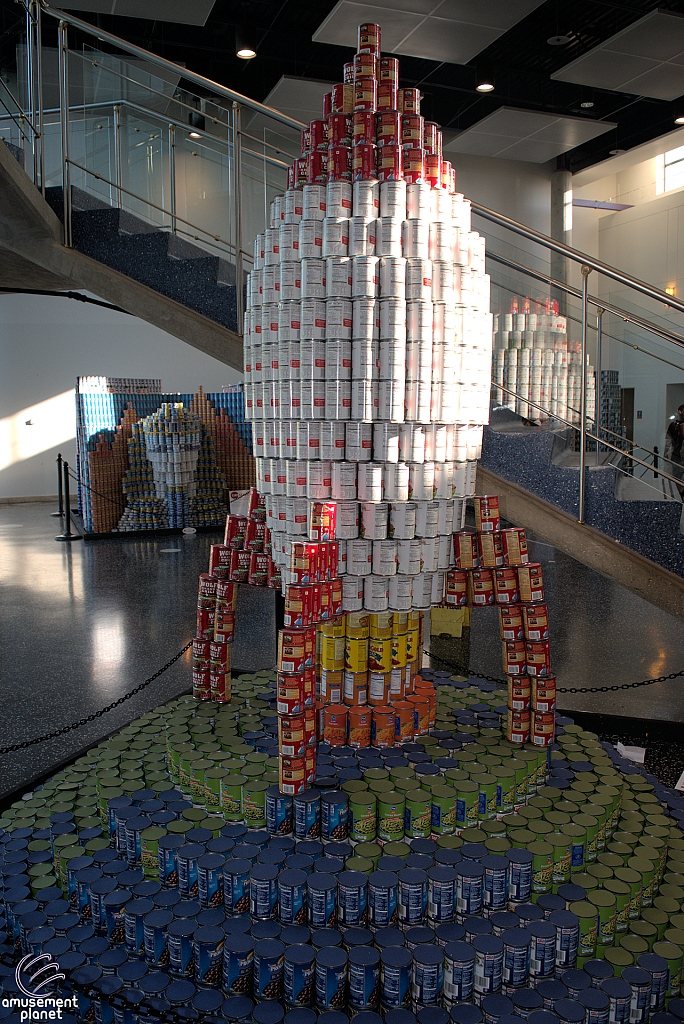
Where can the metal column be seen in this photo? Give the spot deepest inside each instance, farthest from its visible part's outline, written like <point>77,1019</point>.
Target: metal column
<point>583,397</point>
<point>598,415</point>
<point>237,161</point>
<point>63,47</point>
<point>172,175</point>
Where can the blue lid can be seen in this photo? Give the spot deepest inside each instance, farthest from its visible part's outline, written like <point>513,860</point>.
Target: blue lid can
<point>364,977</point>
<point>292,897</point>
<point>411,896</point>
<point>268,969</point>
<point>238,959</point>
<point>334,816</point>
<point>210,879</point>
<point>263,892</point>
<point>299,976</point>
<point>331,978</point>
<point>352,899</point>
<point>208,956</point>
<point>441,894</point>
<point>279,812</point>
<point>321,900</point>
<point>489,957</point>
<point>236,886</point>
<point>396,963</point>
<point>181,951</point>
<point>155,936</point>
<point>427,975</point>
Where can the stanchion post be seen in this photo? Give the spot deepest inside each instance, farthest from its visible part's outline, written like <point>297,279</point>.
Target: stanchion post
<point>60,491</point>
<point>583,397</point>
<point>67,535</point>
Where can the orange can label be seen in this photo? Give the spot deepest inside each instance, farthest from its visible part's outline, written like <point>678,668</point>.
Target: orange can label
<point>360,727</point>
<point>382,728</point>
<point>403,721</point>
<point>335,732</point>
<point>331,686</point>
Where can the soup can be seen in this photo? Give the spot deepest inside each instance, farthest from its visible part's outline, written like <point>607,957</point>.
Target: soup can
<point>530,583</point>
<point>538,658</point>
<point>511,622</point>
<point>481,587</point>
<point>514,541</point>
<point>544,693</point>
<point>487,515</point>
<point>536,622</point>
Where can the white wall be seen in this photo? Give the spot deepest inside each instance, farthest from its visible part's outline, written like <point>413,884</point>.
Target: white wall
<point>45,343</point>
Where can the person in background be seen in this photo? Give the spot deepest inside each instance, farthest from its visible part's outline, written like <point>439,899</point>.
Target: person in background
<point>674,437</point>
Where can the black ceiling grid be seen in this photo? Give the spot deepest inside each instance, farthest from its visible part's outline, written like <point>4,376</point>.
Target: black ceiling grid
<point>521,59</point>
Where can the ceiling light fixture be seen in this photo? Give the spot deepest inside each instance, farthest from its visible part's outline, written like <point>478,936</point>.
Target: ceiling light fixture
<point>615,152</point>
<point>587,104</point>
<point>196,120</point>
<point>559,40</point>
<point>485,83</point>
<point>245,44</point>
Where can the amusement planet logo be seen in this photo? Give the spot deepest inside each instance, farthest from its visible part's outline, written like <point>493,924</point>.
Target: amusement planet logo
<point>35,977</point>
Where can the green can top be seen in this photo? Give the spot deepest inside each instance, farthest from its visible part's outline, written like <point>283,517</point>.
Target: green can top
<point>601,898</point>
<point>669,951</point>
<point>584,909</point>
<point>363,864</point>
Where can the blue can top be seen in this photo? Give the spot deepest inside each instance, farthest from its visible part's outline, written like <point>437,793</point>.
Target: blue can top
<point>333,1017</point>
<point>307,797</point>
<point>527,999</point>
<point>419,935</point>
<point>459,952</point>
<point>220,845</point>
<point>396,956</point>
<point>269,948</point>
<point>385,937</point>
<point>191,851</point>
<point>310,848</point>
<point>488,944</point>
<point>272,857</point>
<point>572,893</point>
<point>449,933</point>
<point>428,846</point>
<point>182,927</point>
<point>419,860</point>
<point>234,830</point>
<point>495,1005</point>
<point>355,879</point>
<point>237,1008</point>
<point>542,1017</point>
<point>412,876</point>
<point>379,879</point>
<point>433,1015</point>
<point>117,898</point>
<point>300,954</point>
<point>139,907</point>
<point>545,930</point>
<point>236,925</point>
<point>207,1002</point>
<point>335,797</point>
<point>303,1016</point>
<point>199,835</point>
<point>652,963</point>
<point>594,999</point>
<point>331,956</point>
<point>616,988</point>
<point>101,886</point>
<point>442,874</point>
<point>211,861</point>
<point>236,866</point>
<point>353,937</point>
<point>237,943</point>
<point>519,856</point>
<point>132,971</point>
<point>551,989</point>
<point>108,985</point>
<point>187,908</point>
<point>295,934</point>
<point>268,1012</point>
<point>112,958</point>
<point>465,1013</point>
<point>299,862</point>
<point>246,851</point>
<point>180,992</point>
<point>319,880</point>
<point>676,1007</point>
<point>210,936</point>
<point>263,872</point>
<point>158,919</point>
<point>529,912</point>
<point>598,970</point>
<point>367,1017</point>
<point>166,898</point>
<point>86,975</point>
<point>154,983</point>
<point>477,926</point>
<point>549,902</point>
<point>570,1010</point>
<point>636,976</point>
<point>93,947</point>
<point>364,956</point>
<point>470,869</point>
<point>429,954</point>
<point>565,919</point>
<point>390,863</point>
<point>474,851</point>
<point>578,980</point>
<point>400,1016</point>
<point>215,918</point>
<point>286,843</point>
<point>70,961</point>
<point>265,930</point>
<point>170,843</point>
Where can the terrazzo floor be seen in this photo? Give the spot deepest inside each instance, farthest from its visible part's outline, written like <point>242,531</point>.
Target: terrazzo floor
<point>82,624</point>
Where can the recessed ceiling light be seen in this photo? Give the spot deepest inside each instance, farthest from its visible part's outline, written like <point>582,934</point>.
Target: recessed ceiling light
<point>615,152</point>
<point>485,87</point>
<point>680,119</point>
<point>559,40</point>
<point>587,104</point>
<point>245,52</point>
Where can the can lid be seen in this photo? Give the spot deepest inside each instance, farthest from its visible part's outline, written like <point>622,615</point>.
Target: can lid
<point>300,954</point>
<point>268,1012</point>
<point>180,992</point>
<point>331,956</point>
<point>466,1013</point>
<point>316,880</point>
<point>366,956</point>
<point>382,879</point>
<point>399,1016</point>
<point>396,956</point>
<point>236,925</point>
<point>616,988</point>
<point>570,1010</point>
<point>425,954</point>
<point>324,937</point>
<point>527,999</point>
<point>433,1015</point>
<point>542,1017</point>
<point>237,943</point>
<point>594,999</point>
<point>183,926</point>
<point>496,1005</point>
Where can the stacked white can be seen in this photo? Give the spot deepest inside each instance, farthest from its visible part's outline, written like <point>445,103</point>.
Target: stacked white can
<point>367,377</point>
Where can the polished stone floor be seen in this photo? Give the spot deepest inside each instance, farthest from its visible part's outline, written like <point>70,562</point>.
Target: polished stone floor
<point>82,624</point>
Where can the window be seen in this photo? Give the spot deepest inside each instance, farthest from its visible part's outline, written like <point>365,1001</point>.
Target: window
<point>670,171</point>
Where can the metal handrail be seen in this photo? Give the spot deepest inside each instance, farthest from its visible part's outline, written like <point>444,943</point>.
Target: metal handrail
<point>577,257</point>
<point>593,300</point>
<point>189,76</point>
<point>593,437</point>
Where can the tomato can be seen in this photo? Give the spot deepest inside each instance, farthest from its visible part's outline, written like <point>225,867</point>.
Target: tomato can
<point>220,686</point>
<point>519,693</point>
<point>481,587</point>
<point>291,694</point>
<point>388,70</point>
<point>342,98</point>
<point>292,774</point>
<point>363,162</point>
<point>433,169</point>
<point>239,566</point>
<point>433,137</point>
<point>409,101</point>
<point>390,164</point>
<point>200,654</point>
<point>369,38</point>
<point>365,94</point>
<point>318,135</point>
<point>317,168</point>
<point>514,541</point>
<point>292,651</point>
<point>382,727</point>
<point>487,515</point>
<point>387,96</point>
<point>412,131</point>
<point>544,694</point>
<point>335,719</point>
<point>339,130</point>
<point>201,686</point>
<point>305,141</point>
<point>506,586</point>
<point>339,163</point>
<point>456,593</point>
<point>355,655</point>
<point>530,582</point>
<point>357,624</point>
<point>226,596</point>
<point>414,165</point>
<point>514,657</point>
<point>538,658</point>
<point>219,561</point>
<point>363,128</point>
<point>365,65</point>
<point>292,735</point>
<point>490,550</point>
<point>536,621</point>
<point>543,728</point>
<point>388,128</point>
<point>518,726</point>
<point>466,555</point>
<point>360,719</point>
<point>511,621</point>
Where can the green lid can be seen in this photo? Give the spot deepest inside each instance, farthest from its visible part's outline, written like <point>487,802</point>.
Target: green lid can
<point>354,786</point>
<point>197,789</point>
<point>634,881</point>
<point>381,785</point>
<point>606,905</point>
<point>671,907</point>
<point>542,868</point>
<point>622,892</point>
<point>397,849</point>
<point>375,773</point>
<point>418,821</point>
<point>657,917</point>
<point>43,882</point>
<point>590,824</point>
<point>402,772</point>
<point>520,838</point>
<point>391,809</point>
<point>404,785</point>
<point>212,786</point>
<point>232,796</point>
<point>363,864</point>
<point>362,815</point>
<point>505,777</point>
<point>634,943</point>
<point>646,931</point>
<point>618,957</point>
<point>520,768</point>
<point>185,769</point>
<point>149,851</point>
<point>370,850</point>
<point>443,810</point>
<point>675,935</point>
<point>587,914</point>
<point>561,858</point>
<point>673,954</point>
<point>646,869</point>
<point>487,793</point>
<point>254,803</point>
<point>467,793</point>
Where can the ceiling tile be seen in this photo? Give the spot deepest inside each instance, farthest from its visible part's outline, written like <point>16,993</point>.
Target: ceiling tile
<point>475,144</point>
<point>299,97</point>
<point>450,41</point>
<point>603,69</point>
<point>570,132</point>
<point>340,26</point>
<point>501,14</point>
<point>531,151</point>
<point>664,82</point>
<point>659,35</point>
<point>518,123</point>
<point>181,12</point>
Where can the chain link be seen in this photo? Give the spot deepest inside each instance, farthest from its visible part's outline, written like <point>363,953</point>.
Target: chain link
<point>561,689</point>
<point>96,714</point>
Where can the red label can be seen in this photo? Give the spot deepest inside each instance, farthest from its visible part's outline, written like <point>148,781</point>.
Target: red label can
<point>433,137</point>
<point>206,592</point>
<point>292,651</point>
<point>298,606</point>
<point>201,687</point>
<point>301,172</point>
<point>414,165</point>
<point>536,621</point>
<point>327,104</point>
<point>339,163</point>
<point>487,516</point>
<point>365,94</point>
<point>306,141</point>
<point>543,728</point>
<point>258,569</point>
<point>388,70</point>
<point>219,561</point>
<point>205,623</point>
<point>514,657</point>
<point>310,761</point>
<point>364,163</point>
<point>219,687</point>
<point>388,128</point>
<point>383,726</point>
<point>339,130</point>
<point>254,535</point>
<point>335,598</point>
<point>363,128</point>
<point>387,96</point>
<point>465,550</point>
<point>506,586</point>
<point>365,66</point>
<point>226,596</point>
<point>291,694</point>
<point>236,527</point>
<point>342,98</point>
<point>292,775</point>
<point>412,131</point>
<point>322,520</point>
<point>239,566</point>
<point>457,588</point>
<point>530,582</point>
<point>317,168</point>
<point>390,163</point>
<point>336,719</point>
<point>519,693</point>
<point>518,726</point>
<point>292,735</point>
<point>490,549</point>
<point>511,622</point>
<point>538,658</point>
<point>369,38</point>
<point>448,176</point>
<point>433,169</point>
<point>481,587</point>
<point>409,101</point>
<point>224,627</point>
<point>200,654</point>
<point>348,72</point>
<point>514,540</point>
<point>544,694</point>
<point>219,656</point>
<point>318,135</point>
<point>275,576</point>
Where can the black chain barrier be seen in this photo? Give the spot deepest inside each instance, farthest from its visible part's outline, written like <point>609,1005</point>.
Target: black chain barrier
<point>96,714</point>
<point>561,689</point>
